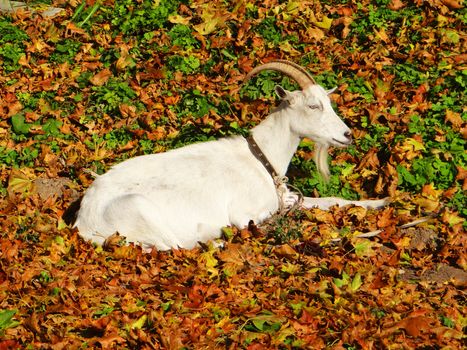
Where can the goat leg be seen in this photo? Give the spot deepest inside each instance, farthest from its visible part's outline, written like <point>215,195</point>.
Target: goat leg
<point>327,202</point>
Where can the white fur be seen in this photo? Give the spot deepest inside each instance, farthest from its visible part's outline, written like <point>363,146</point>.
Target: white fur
<point>186,195</point>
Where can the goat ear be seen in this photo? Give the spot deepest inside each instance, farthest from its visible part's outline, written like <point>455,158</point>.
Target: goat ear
<point>281,92</point>
<point>329,92</point>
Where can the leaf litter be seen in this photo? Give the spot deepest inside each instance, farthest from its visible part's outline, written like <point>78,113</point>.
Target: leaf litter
<point>99,84</point>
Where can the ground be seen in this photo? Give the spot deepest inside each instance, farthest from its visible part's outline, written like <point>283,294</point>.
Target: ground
<point>104,81</point>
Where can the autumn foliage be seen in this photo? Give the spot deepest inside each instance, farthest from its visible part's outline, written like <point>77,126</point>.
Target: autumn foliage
<point>107,80</point>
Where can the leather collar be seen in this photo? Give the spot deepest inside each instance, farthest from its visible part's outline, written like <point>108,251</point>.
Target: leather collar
<point>254,148</point>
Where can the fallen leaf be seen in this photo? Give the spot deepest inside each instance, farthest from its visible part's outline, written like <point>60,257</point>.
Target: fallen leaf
<point>285,250</point>
<point>325,23</point>
<point>453,4</point>
<point>21,181</point>
<point>101,78</point>
<point>455,119</point>
<point>212,19</point>
<point>396,5</point>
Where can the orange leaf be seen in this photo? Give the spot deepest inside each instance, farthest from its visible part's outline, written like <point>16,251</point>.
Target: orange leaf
<point>285,251</point>
<point>386,218</point>
<point>430,192</point>
<point>454,118</point>
<point>396,5</point>
<point>101,78</point>
<point>107,341</point>
<point>415,326</point>
<point>453,4</point>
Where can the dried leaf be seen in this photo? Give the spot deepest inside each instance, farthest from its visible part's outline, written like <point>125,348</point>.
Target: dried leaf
<point>453,4</point>
<point>416,326</point>
<point>101,78</point>
<point>325,23</point>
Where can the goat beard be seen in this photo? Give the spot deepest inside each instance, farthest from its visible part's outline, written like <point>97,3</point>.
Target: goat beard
<point>321,160</point>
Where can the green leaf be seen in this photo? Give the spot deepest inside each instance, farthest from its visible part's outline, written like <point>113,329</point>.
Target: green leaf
<point>356,282</point>
<point>452,36</point>
<point>19,124</point>
<point>259,324</point>
<point>227,232</point>
<point>267,323</point>
<point>364,248</point>
<point>6,319</point>
<point>52,127</point>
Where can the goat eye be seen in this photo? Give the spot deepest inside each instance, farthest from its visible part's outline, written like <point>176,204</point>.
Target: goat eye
<point>313,107</point>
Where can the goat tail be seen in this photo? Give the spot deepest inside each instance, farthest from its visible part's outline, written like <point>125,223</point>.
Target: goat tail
<point>321,160</point>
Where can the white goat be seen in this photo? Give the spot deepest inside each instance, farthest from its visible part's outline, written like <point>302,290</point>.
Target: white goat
<point>184,196</point>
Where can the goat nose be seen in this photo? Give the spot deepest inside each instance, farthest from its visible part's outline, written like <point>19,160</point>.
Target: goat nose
<point>348,134</point>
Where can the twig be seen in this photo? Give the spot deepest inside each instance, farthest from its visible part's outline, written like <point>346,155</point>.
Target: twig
<point>377,232</point>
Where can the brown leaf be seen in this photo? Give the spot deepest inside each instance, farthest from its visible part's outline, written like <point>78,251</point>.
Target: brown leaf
<point>125,59</point>
<point>285,251</point>
<point>109,340</point>
<point>151,73</point>
<point>113,241</point>
<point>396,5</point>
<point>101,78</point>
<point>315,33</point>
<point>454,118</point>
<point>32,323</point>
<point>386,218</point>
<point>370,160</point>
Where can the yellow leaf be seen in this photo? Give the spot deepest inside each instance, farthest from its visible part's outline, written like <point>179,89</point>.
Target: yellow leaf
<point>365,248</point>
<point>410,148</point>
<point>426,203</point>
<point>208,260</point>
<point>429,191</point>
<point>416,145</point>
<point>358,212</point>
<point>293,7</point>
<point>207,27</point>
<point>53,34</point>
<point>356,282</point>
<point>61,224</point>
<point>177,19</point>
<point>367,173</point>
<point>139,323</point>
<point>324,24</point>
<point>211,20</point>
<point>290,268</point>
<point>452,218</point>
<point>124,60</point>
<point>287,47</point>
<point>20,182</point>
<point>381,34</point>
<point>442,20</point>
<point>404,242</point>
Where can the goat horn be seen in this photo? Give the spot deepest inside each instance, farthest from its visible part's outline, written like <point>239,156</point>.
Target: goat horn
<point>293,70</point>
